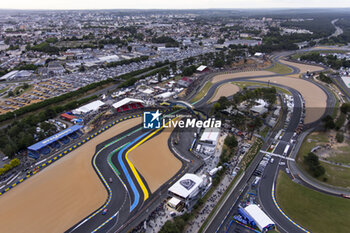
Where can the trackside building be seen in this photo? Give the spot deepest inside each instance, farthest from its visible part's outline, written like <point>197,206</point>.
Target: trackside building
<point>187,190</point>
<point>257,217</point>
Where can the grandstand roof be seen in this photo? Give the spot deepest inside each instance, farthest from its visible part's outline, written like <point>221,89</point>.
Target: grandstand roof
<point>126,101</point>
<point>53,138</point>
<point>93,106</point>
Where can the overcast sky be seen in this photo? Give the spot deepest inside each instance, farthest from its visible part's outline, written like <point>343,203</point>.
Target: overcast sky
<point>169,4</point>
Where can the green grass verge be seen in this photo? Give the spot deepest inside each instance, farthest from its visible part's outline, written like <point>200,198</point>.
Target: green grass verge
<point>202,92</point>
<point>264,132</point>
<point>315,211</point>
<point>280,69</point>
<point>243,84</point>
<point>310,142</point>
<point>336,175</point>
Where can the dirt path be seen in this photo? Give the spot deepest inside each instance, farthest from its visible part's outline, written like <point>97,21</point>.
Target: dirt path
<point>315,98</point>
<point>226,90</point>
<point>60,195</point>
<point>221,77</point>
<point>154,160</point>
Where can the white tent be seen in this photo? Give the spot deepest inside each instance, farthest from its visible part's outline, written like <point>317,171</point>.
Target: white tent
<point>201,68</point>
<point>127,101</point>
<point>260,218</point>
<point>93,106</point>
<point>165,95</point>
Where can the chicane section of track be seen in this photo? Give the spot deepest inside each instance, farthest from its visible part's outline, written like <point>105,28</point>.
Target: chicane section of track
<point>65,152</point>
<point>121,150</point>
<point>141,139</point>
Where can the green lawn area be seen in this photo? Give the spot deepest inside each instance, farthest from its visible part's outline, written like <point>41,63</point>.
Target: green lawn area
<point>310,142</point>
<point>243,84</point>
<point>280,69</point>
<point>317,212</point>
<point>336,175</point>
<point>202,92</point>
<point>342,155</point>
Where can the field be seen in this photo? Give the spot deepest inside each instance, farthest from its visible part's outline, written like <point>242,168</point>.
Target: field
<point>317,212</point>
<point>315,98</point>
<point>62,194</point>
<point>280,69</point>
<point>312,140</point>
<point>202,92</point>
<point>155,161</point>
<point>227,89</point>
<point>335,175</point>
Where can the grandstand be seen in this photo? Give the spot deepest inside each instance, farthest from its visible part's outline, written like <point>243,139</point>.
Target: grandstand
<point>45,146</point>
<point>128,104</point>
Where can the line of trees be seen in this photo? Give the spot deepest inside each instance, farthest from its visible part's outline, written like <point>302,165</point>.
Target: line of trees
<point>7,167</point>
<point>329,60</point>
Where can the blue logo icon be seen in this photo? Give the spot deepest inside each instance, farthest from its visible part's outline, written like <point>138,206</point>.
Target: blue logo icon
<point>151,120</point>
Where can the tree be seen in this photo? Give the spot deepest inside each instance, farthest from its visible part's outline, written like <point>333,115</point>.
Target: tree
<point>10,93</point>
<point>217,106</point>
<point>129,48</point>
<point>314,166</point>
<point>81,68</point>
<point>218,62</point>
<point>231,141</point>
<point>328,122</point>
<point>14,162</point>
<point>345,108</point>
<point>340,137</point>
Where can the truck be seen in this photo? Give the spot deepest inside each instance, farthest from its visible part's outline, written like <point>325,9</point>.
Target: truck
<point>286,149</point>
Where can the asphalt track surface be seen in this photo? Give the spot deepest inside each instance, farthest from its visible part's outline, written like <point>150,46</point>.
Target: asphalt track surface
<point>130,199</point>
<point>223,218</point>
<point>130,194</point>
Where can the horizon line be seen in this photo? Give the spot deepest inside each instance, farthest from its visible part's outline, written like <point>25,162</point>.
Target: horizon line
<point>146,9</point>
